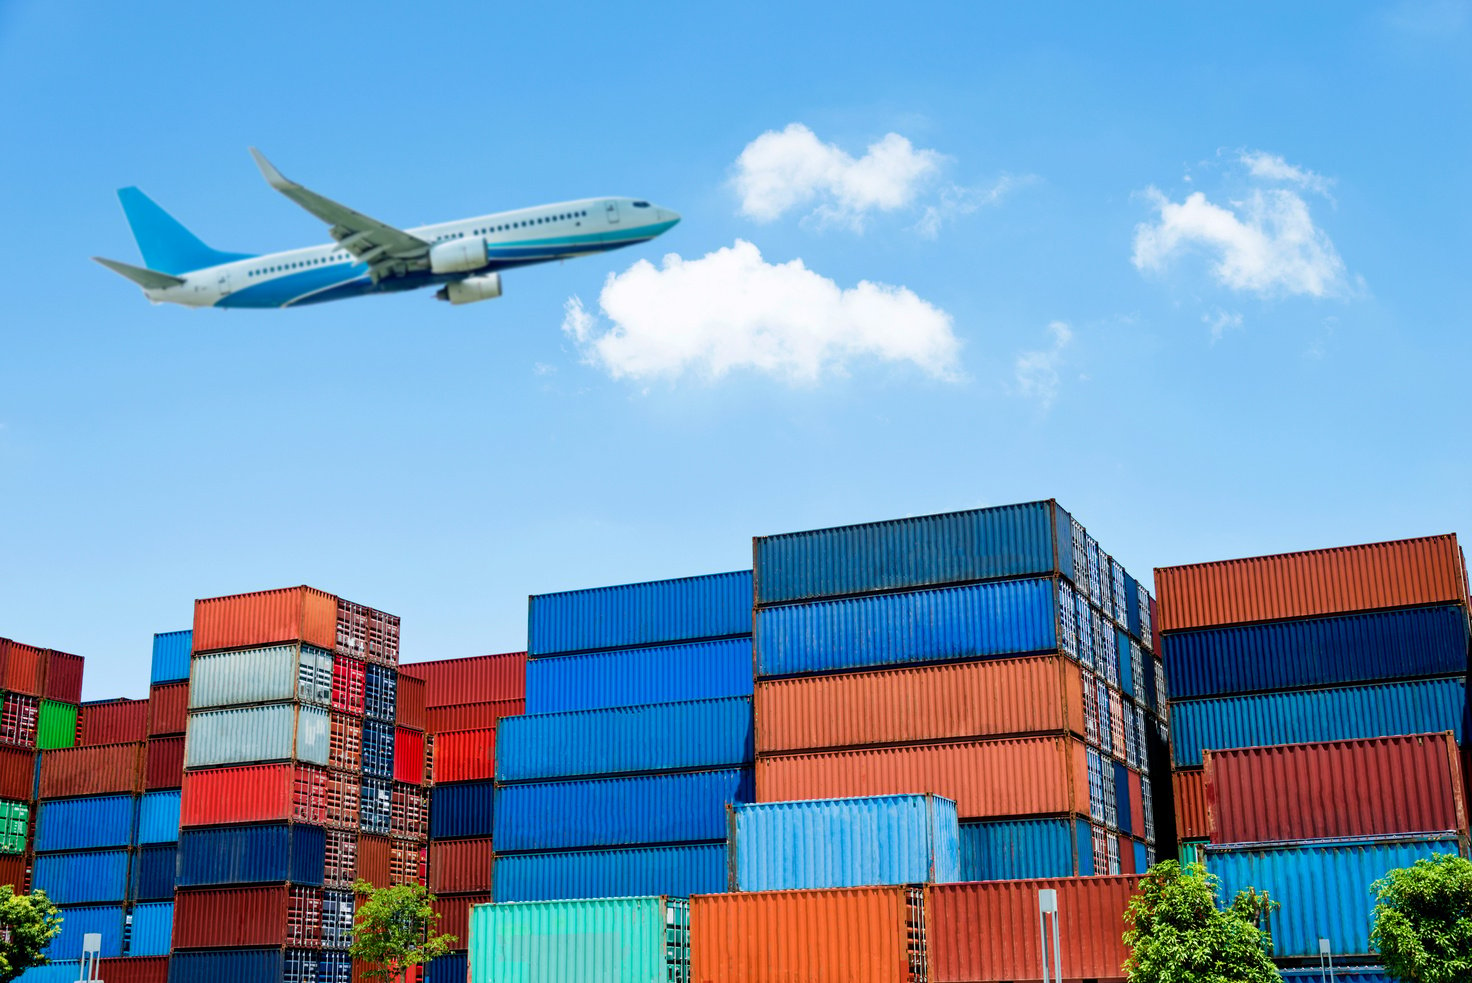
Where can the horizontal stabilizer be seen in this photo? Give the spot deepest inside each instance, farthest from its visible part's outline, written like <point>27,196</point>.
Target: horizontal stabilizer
<point>147,279</point>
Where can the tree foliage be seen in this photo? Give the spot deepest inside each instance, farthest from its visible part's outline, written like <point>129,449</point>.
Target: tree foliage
<point>395,930</point>
<point>1178,934</point>
<point>1423,921</point>
<point>28,923</point>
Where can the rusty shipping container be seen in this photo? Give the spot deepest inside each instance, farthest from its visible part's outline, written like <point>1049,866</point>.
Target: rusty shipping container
<point>17,773</point>
<point>168,708</point>
<point>454,912</point>
<point>1374,787</point>
<point>164,763</point>
<point>460,866</point>
<point>97,770</point>
<point>291,614</point>
<point>1189,786</point>
<point>134,969</point>
<point>1395,574</point>
<point>375,856</point>
<point>233,917</point>
<point>851,935</point>
<point>1035,695</point>
<point>112,722</point>
<point>479,679</point>
<point>254,794</point>
<point>23,667</point>
<point>63,677</point>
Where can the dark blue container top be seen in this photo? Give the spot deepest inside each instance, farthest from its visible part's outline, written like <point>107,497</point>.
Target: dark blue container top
<point>251,854</point>
<point>171,651</point>
<point>687,609</point>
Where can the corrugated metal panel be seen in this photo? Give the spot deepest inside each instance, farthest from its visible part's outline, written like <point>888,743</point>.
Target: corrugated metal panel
<point>1317,652</point>
<point>349,677</point>
<point>679,871</point>
<point>1192,821</point>
<point>76,923</point>
<point>266,617</point>
<point>469,716</point>
<point>374,856</point>
<point>380,694</point>
<point>1014,617</point>
<point>478,679</point>
<point>656,737</point>
<point>1337,714</point>
<point>631,677</point>
<point>63,677</point>
<point>338,908</point>
<point>630,615</point>
<point>15,826</point>
<point>617,940</point>
<point>896,706</point>
<point>1323,888</point>
<point>248,916</point>
<point>243,966</point>
<point>461,809</point>
<point>408,756</point>
<point>82,878</point>
<point>275,732</point>
<point>151,929</point>
<point>17,773</point>
<point>171,652</point>
<point>66,971</point>
<point>445,969</point>
<point>88,823</point>
<point>828,843</point>
<point>56,725</point>
<point>454,914</point>
<point>18,719</point>
<point>277,852</point>
<point>135,969</point>
<point>154,869</point>
<point>409,703</point>
<point>1402,573</point>
<point>465,755</point>
<point>271,674</point>
<point>378,749</point>
<point>168,708</point>
<point>259,793</point>
<point>367,633</point>
<point>112,722</point>
<point>460,866</point>
<point>989,931</point>
<point>376,806</point>
<point>1025,848</point>
<point>163,763</point>
<point>1342,974</point>
<point>97,770</point>
<point>611,812</point>
<point>24,667</point>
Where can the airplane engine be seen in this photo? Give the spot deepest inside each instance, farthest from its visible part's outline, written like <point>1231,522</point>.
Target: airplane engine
<point>487,286</point>
<point>458,255</point>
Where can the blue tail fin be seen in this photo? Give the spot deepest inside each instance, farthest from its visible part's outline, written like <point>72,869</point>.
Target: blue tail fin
<point>165,244</point>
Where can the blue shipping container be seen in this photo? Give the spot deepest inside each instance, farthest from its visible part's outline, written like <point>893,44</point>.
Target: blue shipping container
<point>243,966</point>
<point>608,812</point>
<point>1317,652</point>
<point>1011,617</point>
<point>375,805</point>
<point>1377,710</point>
<point>445,969</point>
<point>826,843</point>
<point>1323,887</point>
<point>378,749</point>
<point>686,609</point>
<point>461,809</point>
<point>338,909</point>
<point>1342,974</point>
<point>158,817</point>
<point>678,871</point>
<point>656,737</point>
<point>89,823</point>
<point>1122,799</point>
<point>100,877</point>
<point>273,852</point>
<point>1022,849</point>
<point>153,872</point>
<point>633,677</point>
<point>106,921</point>
<point>151,929</point>
<point>337,967</point>
<point>171,652</point>
<point>380,694</point>
<point>67,971</point>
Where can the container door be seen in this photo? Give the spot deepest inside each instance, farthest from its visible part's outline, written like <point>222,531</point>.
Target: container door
<point>612,212</point>
<point>224,282</point>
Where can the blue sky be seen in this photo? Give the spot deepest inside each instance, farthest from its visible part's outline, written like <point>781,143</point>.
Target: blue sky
<point>1199,274</point>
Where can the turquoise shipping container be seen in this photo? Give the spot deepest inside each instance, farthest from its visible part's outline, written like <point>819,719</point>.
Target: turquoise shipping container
<point>686,609</point>
<point>679,871</point>
<point>633,677</point>
<point>158,817</point>
<point>608,940</point>
<point>1026,849</point>
<point>150,929</point>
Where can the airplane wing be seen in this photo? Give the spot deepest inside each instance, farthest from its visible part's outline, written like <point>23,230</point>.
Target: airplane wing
<point>387,251</point>
<point>144,277</point>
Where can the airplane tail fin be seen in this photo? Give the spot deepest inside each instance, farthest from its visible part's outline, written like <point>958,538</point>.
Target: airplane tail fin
<point>165,244</point>
<point>147,279</point>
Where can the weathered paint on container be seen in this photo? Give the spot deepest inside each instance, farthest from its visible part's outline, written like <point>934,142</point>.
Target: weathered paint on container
<point>650,613</point>
<point>675,870</point>
<point>608,812</point>
<point>89,823</point>
<point>409,756</point>
<point>654,737</point>
<point>1401,573</point>
<point>1192,820</point>
<point>454,915</point>
<point>259,793</point>
<point>1010,617</point>
<point>63,677</point>
<point>97,877</point>
<point>163,763</point>
<point>244,966</point>
<point>158,817</point>
<point>271,853</point>
<point>274,732</point>
<point>112,722</point>
<point>171,654</point>
<point>18,720</point>
<point>1032,695</point>
<point>168,708</point>
<point>461,809</point>
<point>291,614</point>
<point>612,940</point>
<point>374,856</point>
<point>269,674</point>
<point>17,773</point>
<point>96,770</point>
<point>465,755</point>
<point>152,929</point>
<point>827,843</point>
<point>1297,654</point>
<point>154,869</point>
<point>1338,714</point>
<point>14,870</point>
<point>56,725</point>
<point>238,917</point>
<point>409,705</point>
<point>631,677</point>
<point>469,716</point>
<point>853,935</point>
<point>135,969</point>
<point>24,668</point>
<point>76,923</point>
<point>459,866</point>
<point>1008,541</point>
<point>987,779</point>
<point>1014,849</point>
<point>477,679</point>
<point>986,932</point>
<point>1323,888</point>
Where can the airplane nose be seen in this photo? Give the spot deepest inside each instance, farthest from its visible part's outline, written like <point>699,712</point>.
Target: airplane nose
<point>665,215</point>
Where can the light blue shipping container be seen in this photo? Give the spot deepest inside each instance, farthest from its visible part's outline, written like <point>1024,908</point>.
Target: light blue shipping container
<point>88,823</point>
<point>104,920</point>
<point>655,737</point>
<point>824,843</point>
<point>1323,886</point>
<point>100,877</point>
<point>151,929</point>
<point>1422,706</point>
<point>609,812</point>
<point>1033,539</point>
<point>158,817</point>
<point>633,677</point>
<point>271,674</point>
<point>1142,857</point>
<point>686,609</point>
<point>1021,849</point>
<point>66,971</point>
<point>171,652</point>
<point>1010,617</point>
<point>678,871</point>
<point>254,734</point>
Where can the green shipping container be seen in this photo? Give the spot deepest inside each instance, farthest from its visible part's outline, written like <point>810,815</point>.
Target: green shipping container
<point>57,725</point>
<point>604,940</point>
<point>15,817</point>
<point>1191,851</point>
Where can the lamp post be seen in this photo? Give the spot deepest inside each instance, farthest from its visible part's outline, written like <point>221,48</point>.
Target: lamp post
<point>1048,911</point>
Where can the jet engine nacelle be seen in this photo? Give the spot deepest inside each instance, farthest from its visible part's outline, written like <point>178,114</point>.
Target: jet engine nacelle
<point>487,286</point>
<point>458,255</point>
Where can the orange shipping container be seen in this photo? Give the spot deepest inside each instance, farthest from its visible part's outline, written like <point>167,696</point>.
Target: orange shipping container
<point>854,935</point>
<point>168,707</point>
<point>1190,794</point>
<point>24,668</point>
<point>100,769</point>
<point>1315,582</point>
<point>287,615</point>
<point>1014,777</point>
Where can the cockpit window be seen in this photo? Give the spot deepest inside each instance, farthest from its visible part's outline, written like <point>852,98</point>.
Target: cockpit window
<point>641,204</point>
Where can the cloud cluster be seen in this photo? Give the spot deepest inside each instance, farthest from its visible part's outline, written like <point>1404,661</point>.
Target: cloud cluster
<point>1035,373</point>
<point>1272,167</point>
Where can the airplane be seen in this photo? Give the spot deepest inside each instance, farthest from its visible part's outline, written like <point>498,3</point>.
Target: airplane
<point>463,258</point>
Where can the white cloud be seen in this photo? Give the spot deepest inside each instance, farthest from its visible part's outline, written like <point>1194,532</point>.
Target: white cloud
<point>732,310</point>
<point>1036,372</point>
<point>956,200</point>
<point>1220,322</point>
<point>1271,167</point>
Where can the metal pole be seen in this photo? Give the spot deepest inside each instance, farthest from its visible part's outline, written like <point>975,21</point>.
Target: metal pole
<point>1048,905</point>
<point>1326,958</point>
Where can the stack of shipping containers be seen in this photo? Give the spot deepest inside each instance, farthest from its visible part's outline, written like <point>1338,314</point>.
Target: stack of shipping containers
<point>1317,703</point>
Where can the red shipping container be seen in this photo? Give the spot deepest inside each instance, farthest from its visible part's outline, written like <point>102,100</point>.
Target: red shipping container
<point>25,669</point>
<point>345,743</point>
<point>279,915</point>
<point>98,770</point>
<point>134,969</point>
<point>409,756</point>
<point>290,614</point>
<point>460,866</point>
<point>1190,797</point>
<point>112,722</point>
<point>478,679</point>
<point>1315,582</point>
<point>63,677</point>
<point>454,914</point>
<point>17,774</point>
<point>168,708</point>
<point>409,812</point>
<point>18,718</point>
<point>470,716</point>
<point>340,859</point>
<point>15,870</point>
<point>1126,855</point>
<point>1375,787</point>
<point>367,633</point>
<point>165,767</point>
<point>410,702</point>
<point>465,755</point>
<point>254,794</point>
<point>1137,805</point>
<point>413,975</point>
<point>344,800</point>
<point>375,859</point>
<point>348,681</point>
<point>406,862</point>
<point>988,931</point>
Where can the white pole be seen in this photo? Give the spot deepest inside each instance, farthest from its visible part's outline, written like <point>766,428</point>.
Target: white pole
<point>1048,905</point>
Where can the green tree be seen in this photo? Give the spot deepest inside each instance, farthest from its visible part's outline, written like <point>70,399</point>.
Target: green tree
<point>395,930</point>
<point>28,923</point>
<point>1178,934</point>
<point>1423,921</point>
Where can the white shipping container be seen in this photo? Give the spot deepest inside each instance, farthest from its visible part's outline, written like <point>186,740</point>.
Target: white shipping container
<point>274,732</point>
<point>261,675</point>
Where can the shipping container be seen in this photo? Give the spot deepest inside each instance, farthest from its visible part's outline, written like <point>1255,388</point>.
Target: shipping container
<point>367,633</point>
<point>337,967</point>
<point>1012,617</point>
<point>338,911</point>
<point>349,677</point>
<point>270,674</point>
<point>98,877</point>
<point>168,708</point>
<point>272,853</point>
<point>409,703</point>
<point>1031,695</point>
<point>345,742</point>
<point>453,968</point>
<point>410,813</point>
<point>408,862</point>
<point>343,801</point>
<point>63,677</point>
<point>408,756</point>
<point>853,935</point>
<point>134,969</point>
<point>376,805</point>
<point>17,773</point>
<point>96,770</point>
<point>675,672</point>
<point>158,817</point>
<point>1189,787</point>
<point>987,779</point>
<point>259,793</point>
<point>150,929</point>
<point>460,866</point>
<point>154,870</point>
<point>465,755</point>
<point>1338,714</point>
<point>236,917</point>
<point>274,732</point>
<point>374,856</point>
<point>1323,888</point>
<point>469,716</point>
<point>163,763</point>
<point>339,858</point>
<point>675,870</point>
<point>65,971</point>
<point>380,685</point>
<point>292,614</point>
<point>77,923</point>
<point>986,932</point>
<point>378,750</point>
<point>15,871</point>
<point>171,655</point>
<point>244,966</point>
<point>1402,573</point>
<point>685,609</point>
<point>15,822</point>
<point>608,812</point>
<point>453,911</point>
<point>478,679</point>
<point>24,667</point>
<point>1342,974</point>
<point>56,725</point>
<point>89,823</point>
<point>654,737</point>
<point>1016,849</point>
<point>462,809</point>
<point>612,940</point>
<point>18,715</point>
